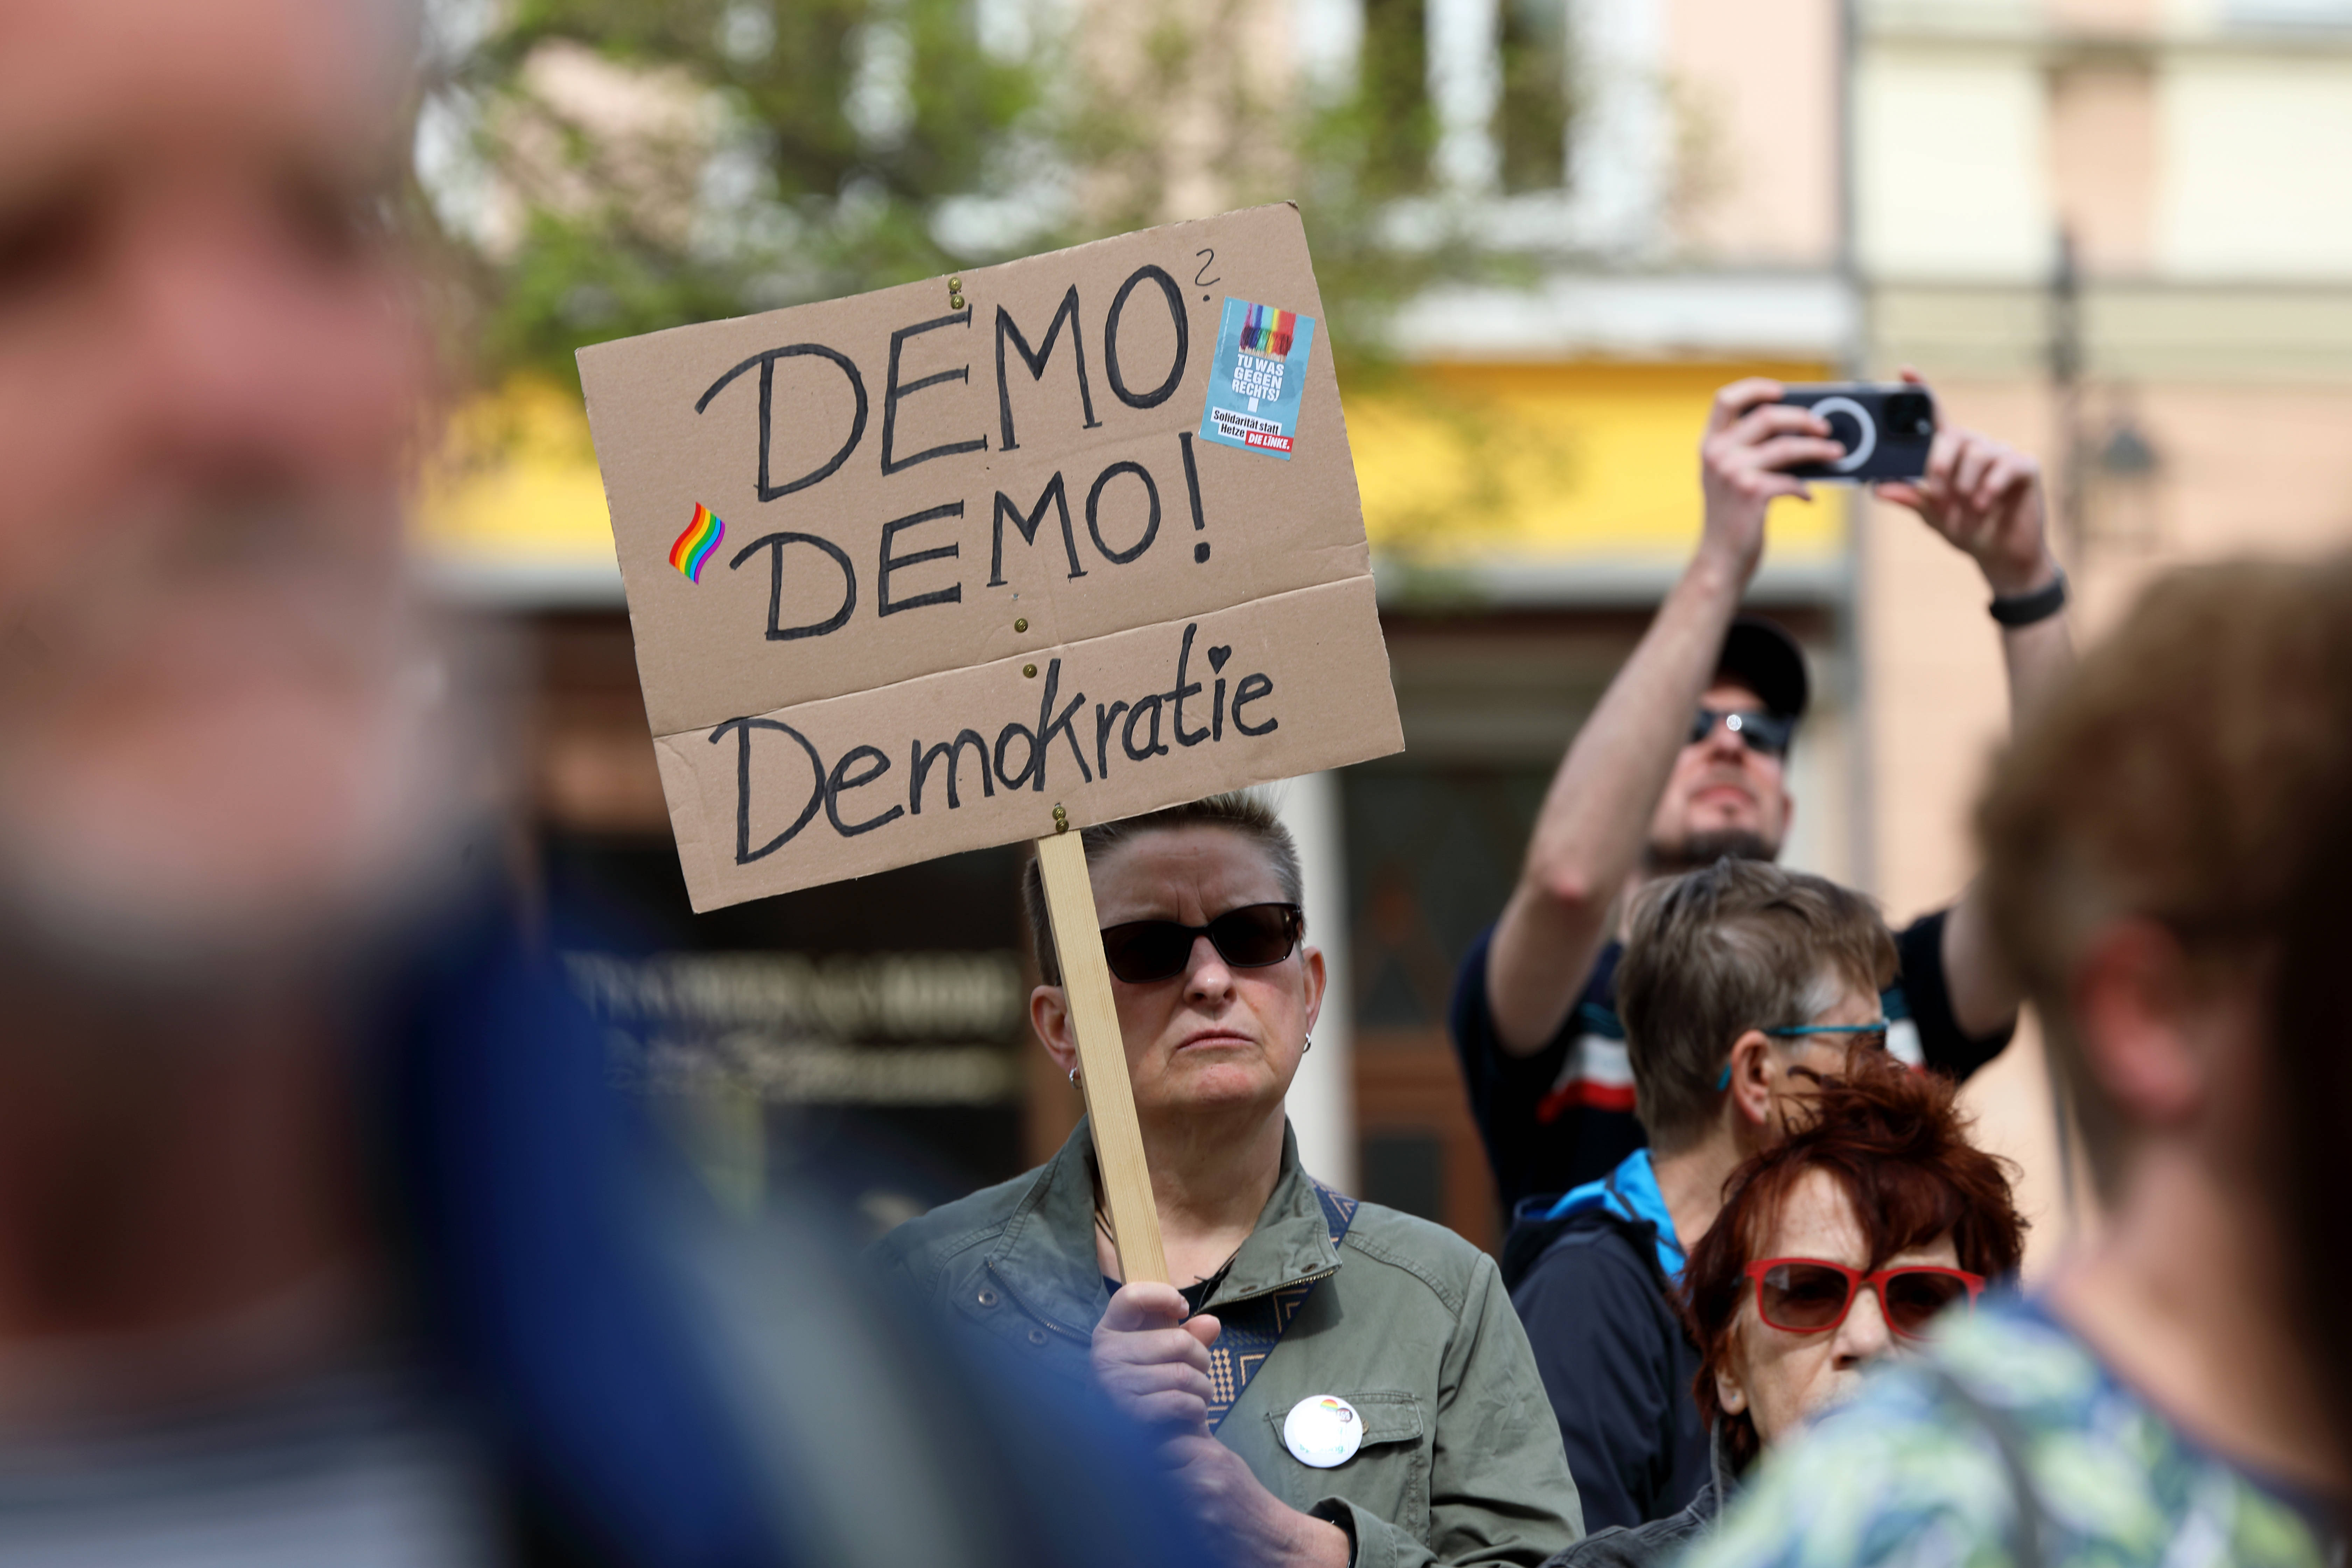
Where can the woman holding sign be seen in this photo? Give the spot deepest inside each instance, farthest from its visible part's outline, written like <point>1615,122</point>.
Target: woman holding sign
<point>1336,1382</point>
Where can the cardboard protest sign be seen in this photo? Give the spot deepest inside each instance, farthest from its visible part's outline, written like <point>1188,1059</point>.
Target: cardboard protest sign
<point>909,571</point>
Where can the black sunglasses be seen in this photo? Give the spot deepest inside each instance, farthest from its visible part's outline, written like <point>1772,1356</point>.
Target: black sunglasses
<point>1766,734</point>
<point>1250,937</point>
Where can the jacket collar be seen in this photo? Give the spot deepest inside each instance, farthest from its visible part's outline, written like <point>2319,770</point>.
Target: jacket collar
<point>1631,1192</point>
<point>1721,1476</point>
<point>1047,1254</point>
<point>1292,1243</point>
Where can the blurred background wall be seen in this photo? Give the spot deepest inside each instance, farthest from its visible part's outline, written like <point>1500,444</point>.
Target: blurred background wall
<point>2116,232</point>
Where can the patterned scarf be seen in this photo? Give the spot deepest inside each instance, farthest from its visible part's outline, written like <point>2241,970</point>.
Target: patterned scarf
<point>1252,1328</point>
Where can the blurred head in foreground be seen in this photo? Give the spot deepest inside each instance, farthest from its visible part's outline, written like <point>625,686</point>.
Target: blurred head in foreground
<point>1840,1246</point>
<point>2141,843</point>
<point>315,1246</point>
<point>2144,846</point>
<point>212,736</point>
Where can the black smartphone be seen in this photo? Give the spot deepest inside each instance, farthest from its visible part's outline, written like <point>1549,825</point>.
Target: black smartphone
<point>1885,427</point>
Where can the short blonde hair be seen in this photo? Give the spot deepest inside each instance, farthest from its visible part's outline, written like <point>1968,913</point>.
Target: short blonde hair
<point>1739,946</point>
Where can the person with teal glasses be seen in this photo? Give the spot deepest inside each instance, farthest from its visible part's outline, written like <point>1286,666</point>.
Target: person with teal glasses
<point>1742,987</point>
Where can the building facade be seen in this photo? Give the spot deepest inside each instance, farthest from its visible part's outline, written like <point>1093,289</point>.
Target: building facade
<point>2110,231</point>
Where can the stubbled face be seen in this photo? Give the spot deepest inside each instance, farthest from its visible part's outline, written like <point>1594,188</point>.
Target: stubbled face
<point>212,731</point>
<point>1783,1379</point>
<point>1720,790</point>
<point>1214,1038</point>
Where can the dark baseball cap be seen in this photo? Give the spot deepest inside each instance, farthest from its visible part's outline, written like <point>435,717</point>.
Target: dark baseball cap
<point>1761,656</point>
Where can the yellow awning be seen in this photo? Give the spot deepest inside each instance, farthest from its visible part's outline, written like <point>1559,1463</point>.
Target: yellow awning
<point>1559,462</point>
<point>516,484</point>
<point>1457,464</point>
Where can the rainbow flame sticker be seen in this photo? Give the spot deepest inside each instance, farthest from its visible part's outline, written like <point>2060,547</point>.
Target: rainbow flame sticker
<point>1258,379</point>
<point>1266,330</point>
<point>698,543</point>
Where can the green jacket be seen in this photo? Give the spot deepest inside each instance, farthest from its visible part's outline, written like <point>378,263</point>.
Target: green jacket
<point>1461,1461</point>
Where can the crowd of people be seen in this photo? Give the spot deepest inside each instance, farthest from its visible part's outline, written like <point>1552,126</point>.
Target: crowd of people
<point>1692,1071</point>
<point>322,1239</point>
<point>1802,1199</point>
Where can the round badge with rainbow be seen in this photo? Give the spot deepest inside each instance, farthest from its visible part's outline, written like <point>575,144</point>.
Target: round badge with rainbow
<point>1323,1431</point>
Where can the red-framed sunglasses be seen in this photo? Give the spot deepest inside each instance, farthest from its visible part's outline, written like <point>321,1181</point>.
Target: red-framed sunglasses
<point>1810,1295</point>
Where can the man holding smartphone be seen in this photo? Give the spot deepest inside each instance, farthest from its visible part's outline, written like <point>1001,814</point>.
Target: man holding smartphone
<point>1681,765</point>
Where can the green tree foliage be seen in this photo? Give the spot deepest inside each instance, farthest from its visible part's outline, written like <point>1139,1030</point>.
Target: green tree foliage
<point>814,141</point>
<point>1533,127</point>
<point>660,162</point>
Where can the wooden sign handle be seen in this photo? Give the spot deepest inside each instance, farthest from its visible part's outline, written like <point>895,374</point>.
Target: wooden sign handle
<point>1102,1058</point>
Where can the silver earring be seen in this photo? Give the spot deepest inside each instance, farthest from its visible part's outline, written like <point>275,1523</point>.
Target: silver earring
<point>1307,1044</point>
<point>1074,1075</point>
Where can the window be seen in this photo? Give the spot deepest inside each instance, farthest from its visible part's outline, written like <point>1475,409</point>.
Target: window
<point>1533,127</point>
<point>1394,78</point>
<point>1472,96</point>
<point>1543,123</point>
<point>1432,853</point>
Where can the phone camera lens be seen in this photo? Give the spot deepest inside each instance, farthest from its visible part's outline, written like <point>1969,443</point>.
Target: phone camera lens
<point>1911,414</point>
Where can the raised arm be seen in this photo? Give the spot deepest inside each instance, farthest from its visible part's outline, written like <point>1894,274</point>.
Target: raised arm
<point>1986,499</point>
<point>1589,837</point>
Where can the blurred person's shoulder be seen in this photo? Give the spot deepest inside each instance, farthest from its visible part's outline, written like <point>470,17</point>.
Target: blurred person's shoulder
<point>2009,1425</point>
<point>889,1442</point>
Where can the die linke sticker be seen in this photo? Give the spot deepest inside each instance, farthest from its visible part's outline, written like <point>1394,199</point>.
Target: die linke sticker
<point>1258,377</point>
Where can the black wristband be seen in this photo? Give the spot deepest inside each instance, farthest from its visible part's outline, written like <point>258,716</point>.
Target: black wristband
<point>2023,609</point>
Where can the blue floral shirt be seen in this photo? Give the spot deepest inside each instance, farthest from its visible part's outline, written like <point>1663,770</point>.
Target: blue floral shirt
<point>1907,1474</point>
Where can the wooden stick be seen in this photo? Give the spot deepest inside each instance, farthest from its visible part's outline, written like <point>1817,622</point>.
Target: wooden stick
<point>1102,1058</point>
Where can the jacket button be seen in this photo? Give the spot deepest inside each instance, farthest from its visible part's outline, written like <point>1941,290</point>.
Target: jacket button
<point>1037,1336</point>
<point>986,1298</point>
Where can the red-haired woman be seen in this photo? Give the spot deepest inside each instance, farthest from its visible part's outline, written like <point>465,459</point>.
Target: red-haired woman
<point>1833,1248</point>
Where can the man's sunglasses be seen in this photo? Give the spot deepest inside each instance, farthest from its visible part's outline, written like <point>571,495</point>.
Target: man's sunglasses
<point>1809,1296</point>
<point>1250,937</point>
<point>1766,734</point>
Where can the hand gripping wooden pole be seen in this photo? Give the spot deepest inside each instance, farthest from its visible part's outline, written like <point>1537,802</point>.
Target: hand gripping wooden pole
<point>1102,1058</point>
